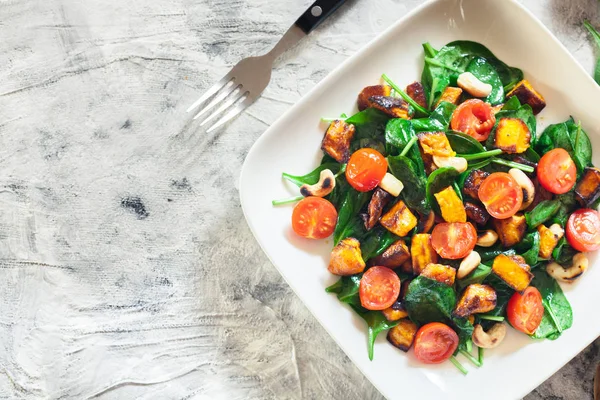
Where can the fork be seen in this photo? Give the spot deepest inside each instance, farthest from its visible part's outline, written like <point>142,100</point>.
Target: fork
<point>249,78</point>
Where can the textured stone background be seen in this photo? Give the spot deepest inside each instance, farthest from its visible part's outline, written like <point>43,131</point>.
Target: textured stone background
<point>127,268</point>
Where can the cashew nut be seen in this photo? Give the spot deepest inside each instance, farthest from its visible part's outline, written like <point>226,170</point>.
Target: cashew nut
<point>322,188</point>
<point>526,185</point>
<point>557,230</point>
<point>391,184</point>
<point>468,264</point>
<point>472,85</point>
<point>558,272</point>
<point>490,339</point>
<point>487,238</point>
<point>458,163</point>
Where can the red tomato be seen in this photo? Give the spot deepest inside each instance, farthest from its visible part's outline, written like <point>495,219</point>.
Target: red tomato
<point>557,172</point>
<point>525,311</point>
<point>454,240</point>
<point>583,230</point>
<point>435,343</point>
<point>475,118</point>
<point>501,195</point>
<point>314,218</point>
<point>379,288</point>
<point>366,169</point>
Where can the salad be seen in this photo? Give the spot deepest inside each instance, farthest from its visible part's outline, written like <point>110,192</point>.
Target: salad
<point>453,219</point>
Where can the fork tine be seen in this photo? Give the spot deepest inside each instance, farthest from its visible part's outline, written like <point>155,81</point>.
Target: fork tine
<point>211,91</point>
<point>228,89</point>
<point>236,95</point>
<point>241,106</point>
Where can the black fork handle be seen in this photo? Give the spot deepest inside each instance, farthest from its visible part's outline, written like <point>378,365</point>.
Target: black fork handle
<point>317,13</point>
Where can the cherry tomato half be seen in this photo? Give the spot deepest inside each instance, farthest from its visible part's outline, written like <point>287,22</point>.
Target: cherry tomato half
<point>557,172</point>
<point>314,218</point>
<point>454,240</point>
<point>525,311</point>
<point>475,118</point>
<point>379,288</point>
<point>501,195</point>
<point>365,170</point>
<point>583,230</point>
<point>435,343</point>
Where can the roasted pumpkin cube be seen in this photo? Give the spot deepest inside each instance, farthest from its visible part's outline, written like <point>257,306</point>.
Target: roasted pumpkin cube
<point>441,273</point>
<point>399,220</point>
<point>435,144</point>
<point>422,252</point>
<point>510,230</point>
<point>476,299</point>
<point>337,140</point>
<point>346,258</point>
<point>587,190</point>
<point>416,92</point>
<point>451,95</point>
<point>426,222</point>
<point>476,213</point>
<point>393,106</point>
<point>512,136</point>
<point>549,238</point>
<point>403,334</point>
<point>528,95</point>
<point>395,314</point>
<point>394,256</point>
<point>451,205</point>
<point>370,91</point>
<point>513,270</point>
<point>379,200</point>
<point>473,183</point>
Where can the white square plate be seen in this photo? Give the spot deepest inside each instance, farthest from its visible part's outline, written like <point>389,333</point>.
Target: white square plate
<point>292,145</point>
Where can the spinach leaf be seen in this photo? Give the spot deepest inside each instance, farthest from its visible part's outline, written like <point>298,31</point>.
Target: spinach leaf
<point>477,276</point>
<point>531,155</point>
<point>414,193</point>
<point>438,180</point>
<point>513,104</point>
<point>563,253</point>
<point>376,323</point>
<point>542,213</point>
<point>348,218</point>
<point>427,125</point>
<point>312,177</point>
<point>399,132</point>
<point>531,255</point>
<point>443,67</point>
<point>347,292</point>
<point>489,253</point>
<point>596,37</point>
<point>346,289</point>
<point>463,328</point>
<point>568,203</point>
<point>429,301</point>
<point>376,242</point>
<point>486,73</point>
<point>569,136</point>
<point>463,143</point>
<point>368,143</point>
<point>443,114</point>
<point>558,315</point>
<point>503,295</point>
<point>369,124</point>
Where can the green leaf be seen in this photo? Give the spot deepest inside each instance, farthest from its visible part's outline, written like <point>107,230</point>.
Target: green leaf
<point>346,289</point>
<point>486,73</point>
<point>369,124</point>
<point>427,125</point>
<point>376,323</point>
<point>563,253</point>
<point>399,133</point>
<point>414,193</point>
<point>429,301</point>
<point>438,180</point>
<point>376,242</point>
<point>489,253</point>
<point>569,136</point>
<point>477,276</point>
<point>463,143</point>
<point>597,72</point>
<point>348,218</point>
<point>443,114</point>
<point>558,315</point>
<point>503,295</point>
<point>595,34</point>
<point>312,177</point>
<point>543,212</point>
<point>531,255</point>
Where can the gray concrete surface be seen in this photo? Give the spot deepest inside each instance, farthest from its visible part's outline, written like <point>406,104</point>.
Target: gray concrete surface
<point>127,268</point>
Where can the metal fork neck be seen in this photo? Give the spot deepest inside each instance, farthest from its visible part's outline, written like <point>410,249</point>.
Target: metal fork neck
<point>291,37</point>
